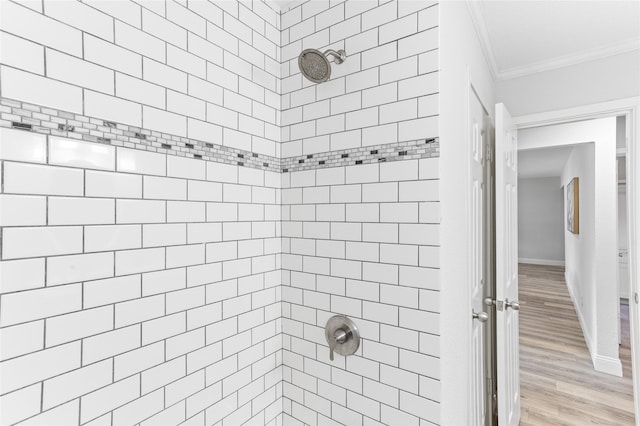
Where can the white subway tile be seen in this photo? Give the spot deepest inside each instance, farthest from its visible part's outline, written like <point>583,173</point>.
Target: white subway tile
<point>401,70</point>
<point>38,366</point>
<point>200,130</point>
<point>163,327</point>
<point>163,374</point>
<point>162,188</point>
<point>22,210</point>
<point>110,344</point>
<point>112,56</point>
<point>428,18</point>
<point>164,234</point>
<point>428,105</point>
<point>175,414</point>
<point>186,105</point>
<point>142,162</point>
<point>380,95</point>
<point>185,167</point>
<point>21,339</point>
<point>80,267</point>
<point>76,383</point>
<point>139,409</point>
<point>108,398</point>
<point>424,234</point>
<point>204,274</point>
<point>429,256</point>
<point>140,91</point>
<point>193,254</point>
<point>203,232</point>
<point>112,108</point>
<point>379,135</point>
<point>78,72</point>
<point>185,211</point>
<point>128,12</point>
<point>134,261</point>
<point>139,41</point>
<point>19,145</point>
<point>424,84</point>
<point>139,310</point>
<point>20,404</point>
<point>81,211</point>
<point>111,290</point>
<point>399,254</point>
<point>82,17</point>
<point>418,43</point>
<point>425,278</point>
<point>140,359</point>
<point>38,90</point>
<point>41,241</point>
<point>380,192</point>
<point>21,275</point>
<point>39,30</point>
<point>112,185</point>
<point>46,180</point>
<point>418,129</point>
<point>398,29</point>
<point>140,211</point>
<point>163,121</point>
<point>427,190</point>
<point>362,118</point>
<point>430,212</point>
<point>20,53</point>
<point>116,237</point>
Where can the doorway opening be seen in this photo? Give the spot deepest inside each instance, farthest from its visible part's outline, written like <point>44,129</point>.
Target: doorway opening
<point>603,361</point>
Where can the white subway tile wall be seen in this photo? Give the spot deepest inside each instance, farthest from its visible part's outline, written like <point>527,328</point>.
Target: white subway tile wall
<point>112,303</point>
<point>138,287</point>
<point>361,240</point>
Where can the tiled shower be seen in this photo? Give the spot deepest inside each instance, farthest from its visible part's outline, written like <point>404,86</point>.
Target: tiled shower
<point>182,212</point>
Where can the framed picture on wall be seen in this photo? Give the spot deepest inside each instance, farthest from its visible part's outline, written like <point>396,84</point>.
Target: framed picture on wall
<point>573,205</point>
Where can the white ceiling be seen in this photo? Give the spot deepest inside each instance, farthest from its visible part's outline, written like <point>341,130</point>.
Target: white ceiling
<point>546,162</point>
<point>520,37</point>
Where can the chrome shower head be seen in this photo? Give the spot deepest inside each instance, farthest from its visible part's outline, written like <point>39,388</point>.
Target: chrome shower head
<point>315,65</point>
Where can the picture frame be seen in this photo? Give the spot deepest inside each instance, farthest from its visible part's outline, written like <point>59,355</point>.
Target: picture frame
<point>573,206</point>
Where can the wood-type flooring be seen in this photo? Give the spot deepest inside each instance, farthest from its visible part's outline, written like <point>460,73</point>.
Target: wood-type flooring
<point>558,383</point>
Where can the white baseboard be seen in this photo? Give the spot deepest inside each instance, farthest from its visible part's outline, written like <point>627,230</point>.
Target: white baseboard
<point>549,262</point>
<point>603,364</point>
<point>608,365</point>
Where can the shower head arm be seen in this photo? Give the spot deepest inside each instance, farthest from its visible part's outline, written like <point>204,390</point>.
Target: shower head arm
<point>338,57</point>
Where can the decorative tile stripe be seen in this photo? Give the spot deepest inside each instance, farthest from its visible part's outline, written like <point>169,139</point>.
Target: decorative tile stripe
<point>29,117</point>
<point>49,121</point>
<point>408,150</point>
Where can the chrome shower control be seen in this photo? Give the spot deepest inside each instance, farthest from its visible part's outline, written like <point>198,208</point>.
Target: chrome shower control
<point>342,336</point>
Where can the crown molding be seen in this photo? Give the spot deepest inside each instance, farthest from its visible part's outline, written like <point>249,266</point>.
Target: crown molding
<point>572,59</point>
<point>477,16</point>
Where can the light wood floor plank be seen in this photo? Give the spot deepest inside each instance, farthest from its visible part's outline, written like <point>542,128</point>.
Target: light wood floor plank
<point>558,383</point>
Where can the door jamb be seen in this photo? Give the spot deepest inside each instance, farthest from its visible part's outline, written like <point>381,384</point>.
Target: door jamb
<point>630,108</point>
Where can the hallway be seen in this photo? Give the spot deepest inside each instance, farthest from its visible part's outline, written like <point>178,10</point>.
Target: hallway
<point>558,383</point>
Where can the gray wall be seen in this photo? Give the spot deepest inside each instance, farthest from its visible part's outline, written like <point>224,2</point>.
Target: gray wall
<point>540,220</point>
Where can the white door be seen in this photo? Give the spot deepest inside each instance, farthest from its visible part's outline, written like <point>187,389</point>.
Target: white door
<point>478,318</point>
<point>506,193</point>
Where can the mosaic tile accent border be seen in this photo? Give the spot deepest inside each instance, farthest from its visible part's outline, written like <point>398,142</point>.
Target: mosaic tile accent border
<point>423,148</point>
<point>25,116</point>
<point>49,121</point>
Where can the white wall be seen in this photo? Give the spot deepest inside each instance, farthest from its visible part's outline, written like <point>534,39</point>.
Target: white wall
<point>146,313</point>
<point>462,63</point>
<point>606,79</point>
<point>580,268</point>
<point>604,341</point>
<point>361,240</point>
<point>540,221</point>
